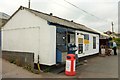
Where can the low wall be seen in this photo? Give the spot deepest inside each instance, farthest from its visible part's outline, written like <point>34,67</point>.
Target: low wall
<point>23,59</point>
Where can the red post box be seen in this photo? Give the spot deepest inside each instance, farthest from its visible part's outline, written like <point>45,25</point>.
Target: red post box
<point>70,65</point>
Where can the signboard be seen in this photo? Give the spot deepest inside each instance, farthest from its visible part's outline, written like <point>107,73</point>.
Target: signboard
<point>68,65</point>
<point>80,40</point>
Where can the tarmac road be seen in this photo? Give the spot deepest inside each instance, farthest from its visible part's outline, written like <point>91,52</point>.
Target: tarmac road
<point>97,67</point>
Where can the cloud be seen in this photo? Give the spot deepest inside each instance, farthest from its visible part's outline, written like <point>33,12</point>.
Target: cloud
<point>106,10</point>
<point>11,6</point>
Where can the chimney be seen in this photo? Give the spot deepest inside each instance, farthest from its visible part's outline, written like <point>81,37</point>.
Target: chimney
<point>71,20</point>
<point>51,14</point>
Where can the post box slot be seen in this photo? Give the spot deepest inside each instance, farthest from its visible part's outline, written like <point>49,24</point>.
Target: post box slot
<point>68,57</point>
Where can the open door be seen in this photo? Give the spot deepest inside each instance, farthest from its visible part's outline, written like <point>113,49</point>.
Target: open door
<point>80,45</point>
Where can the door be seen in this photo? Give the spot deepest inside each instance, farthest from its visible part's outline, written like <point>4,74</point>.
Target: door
<point>80,45</point>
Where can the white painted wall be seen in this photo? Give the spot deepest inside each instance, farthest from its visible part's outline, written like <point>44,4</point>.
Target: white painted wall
<point>24,19</point>
<point>48,45</point>
<point>90,51</point>
<point>26,32</point>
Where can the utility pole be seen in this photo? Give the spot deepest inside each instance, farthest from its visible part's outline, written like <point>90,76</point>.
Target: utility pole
<point>29,4</point>
<point>112,27</point>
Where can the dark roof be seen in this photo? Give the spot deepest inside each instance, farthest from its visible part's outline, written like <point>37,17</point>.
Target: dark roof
<point>4,15</point>
<point>57,20</point>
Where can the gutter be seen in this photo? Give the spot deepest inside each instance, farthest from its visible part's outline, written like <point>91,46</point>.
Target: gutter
<point>57,24</point>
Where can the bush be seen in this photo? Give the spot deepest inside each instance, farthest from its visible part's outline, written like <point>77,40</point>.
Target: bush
<point>117,40</point>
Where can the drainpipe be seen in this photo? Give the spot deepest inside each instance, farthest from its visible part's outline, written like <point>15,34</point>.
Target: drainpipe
<point>38,64</point>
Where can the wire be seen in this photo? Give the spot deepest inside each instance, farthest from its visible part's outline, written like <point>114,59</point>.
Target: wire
<point>80,11</point>
<point>65,6</point>
<point>84,11</point>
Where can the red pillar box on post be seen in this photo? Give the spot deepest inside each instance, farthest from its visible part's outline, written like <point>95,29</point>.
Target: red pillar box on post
<point>70,65</point>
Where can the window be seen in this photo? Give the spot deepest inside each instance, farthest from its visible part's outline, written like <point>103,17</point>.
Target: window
<point>71,38</point>
<point>94,42</point>
<point>86,36</point>
<point>61,39</point>
<point>86,42</point>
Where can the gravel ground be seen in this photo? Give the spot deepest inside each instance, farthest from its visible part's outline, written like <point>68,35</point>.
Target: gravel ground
<point>10,70</point>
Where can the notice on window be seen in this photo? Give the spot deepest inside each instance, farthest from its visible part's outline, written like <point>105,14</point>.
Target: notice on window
<point>80,40</point>
<point>68,65</point>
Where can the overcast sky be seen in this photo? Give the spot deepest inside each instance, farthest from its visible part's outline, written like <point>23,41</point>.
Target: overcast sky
<point>104,11</point>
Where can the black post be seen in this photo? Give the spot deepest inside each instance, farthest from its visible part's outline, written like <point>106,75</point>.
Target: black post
<point>29,4</point>
<point>112,27</point>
